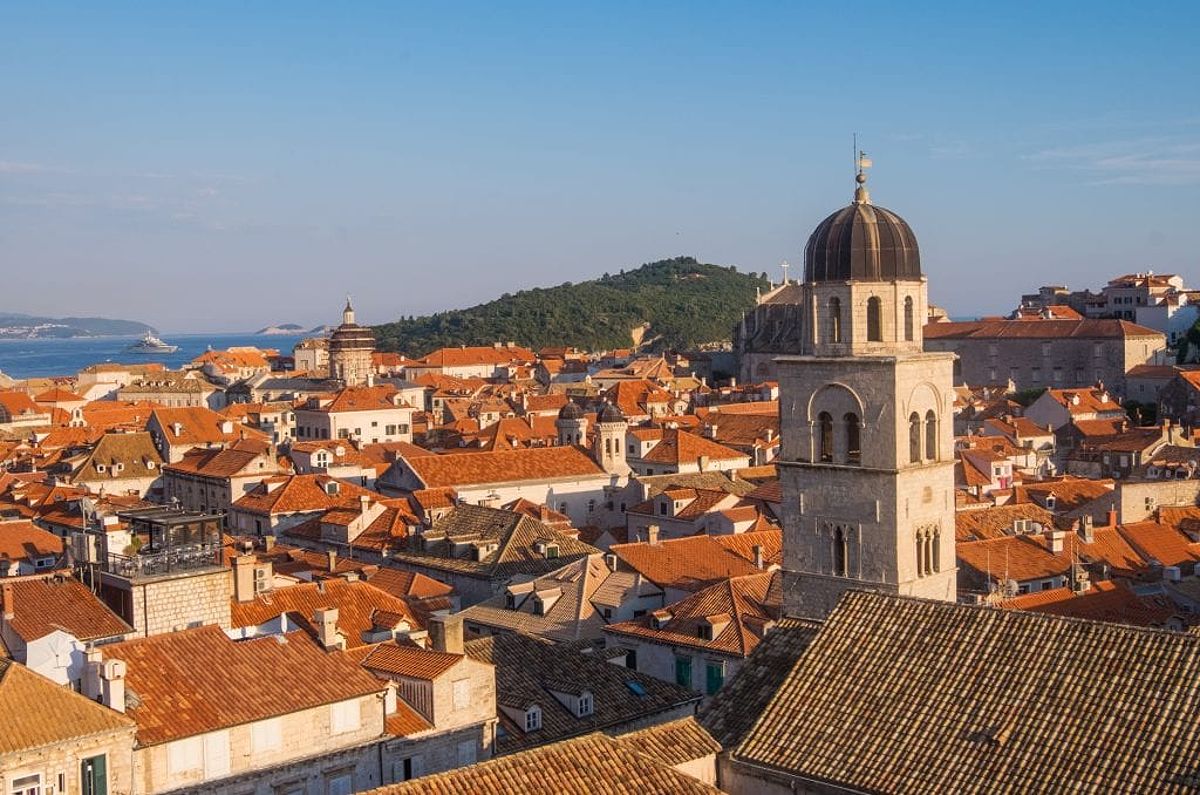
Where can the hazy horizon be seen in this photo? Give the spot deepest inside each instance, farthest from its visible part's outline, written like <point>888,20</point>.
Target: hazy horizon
<point>226,167</point>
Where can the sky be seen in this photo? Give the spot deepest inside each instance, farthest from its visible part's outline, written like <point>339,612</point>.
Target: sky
<point>223,166</point>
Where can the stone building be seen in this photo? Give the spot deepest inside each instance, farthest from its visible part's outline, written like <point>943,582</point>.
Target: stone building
<point>772,328</point>
<point>350,349</point>
<point>1035,354</point>
<point>867,467</point>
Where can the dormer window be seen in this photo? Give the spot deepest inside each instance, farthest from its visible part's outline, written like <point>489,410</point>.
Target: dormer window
<point>533,719</point>
<point>584,705</point>
<point>100,467</point>
<point>705,631</point>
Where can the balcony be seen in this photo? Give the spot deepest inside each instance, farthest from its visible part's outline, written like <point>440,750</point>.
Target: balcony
<point>156,564</point>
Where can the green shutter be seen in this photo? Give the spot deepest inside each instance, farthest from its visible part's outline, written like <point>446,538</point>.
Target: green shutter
<point>683,671</point>
<point>94,775</point>
<point>714,677</point>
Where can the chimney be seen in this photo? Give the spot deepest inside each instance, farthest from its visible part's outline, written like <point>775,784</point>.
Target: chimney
<point>1087,530</point>
<point>1056,540</point>
<point>331,560</point>
<point>268,543</point>
<point>711,431</point>
<point>702,463</point>
<point>243,578</point>
<point>1112,517</point>
<point>610,560</point>
<point>325,619</point>
<point>104,680</point>
<point>364,502</point>
<point>652,534</point>
<point>177,428</point>
<point>446,633</point>
<point>758,556</point>
<point>9,607</point>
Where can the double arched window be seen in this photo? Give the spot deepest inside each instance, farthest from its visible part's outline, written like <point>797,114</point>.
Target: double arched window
<point>835,319</point>
<point>915,437</point>
<point>874,320</point>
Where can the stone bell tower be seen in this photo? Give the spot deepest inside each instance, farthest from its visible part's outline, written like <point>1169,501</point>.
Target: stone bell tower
<point>867,467</point>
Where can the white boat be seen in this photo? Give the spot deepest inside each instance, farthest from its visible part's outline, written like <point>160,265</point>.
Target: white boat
<point>151,344</point>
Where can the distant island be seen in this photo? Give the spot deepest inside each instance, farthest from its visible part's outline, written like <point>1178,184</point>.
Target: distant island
<point>676,303</point>
<point>291,330</point>
<point>17,326</point>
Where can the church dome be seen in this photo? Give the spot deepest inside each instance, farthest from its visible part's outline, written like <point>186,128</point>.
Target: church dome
<point>571,411</point>
<point>610,413</point>
<point>862,242</point>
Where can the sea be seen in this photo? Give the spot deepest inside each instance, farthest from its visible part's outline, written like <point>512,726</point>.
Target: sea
<point>62,357</point>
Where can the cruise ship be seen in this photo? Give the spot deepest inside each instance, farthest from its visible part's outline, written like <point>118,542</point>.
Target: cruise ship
<point>151,344</point>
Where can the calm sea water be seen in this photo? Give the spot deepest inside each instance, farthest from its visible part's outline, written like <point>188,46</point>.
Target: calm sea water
<point>34,358</point>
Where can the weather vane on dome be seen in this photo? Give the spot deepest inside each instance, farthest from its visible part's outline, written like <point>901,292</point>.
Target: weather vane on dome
<point>861,164</point>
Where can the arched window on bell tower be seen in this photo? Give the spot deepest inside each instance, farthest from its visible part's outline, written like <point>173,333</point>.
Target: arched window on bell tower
<point>920,550</point>
<point>824,437</point>
<point>874,319</point>
<point>914,438</point>
<point>840,568</point>
<point>935,552</point>
<point>908,319</point>
<point>835,319</point>
<point>931,436</point>
<point>853,439</point>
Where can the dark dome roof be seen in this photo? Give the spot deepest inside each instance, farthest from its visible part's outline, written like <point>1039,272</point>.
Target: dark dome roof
<point>862,242</point>
<point>610,413</point>
<point>571,411</point>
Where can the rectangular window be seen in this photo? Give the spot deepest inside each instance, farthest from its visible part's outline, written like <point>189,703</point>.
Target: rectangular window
<point>184,756</point>
<point>344,717</point>
<point>462,694</point>
<point>266,735</point>
<point>339,783</point>
<point>714,676</point>
<point>683,671</point>
<point>216,755</point>
<point>27,785</point>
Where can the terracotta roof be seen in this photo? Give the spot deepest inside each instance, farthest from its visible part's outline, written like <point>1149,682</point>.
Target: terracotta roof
<point>296,493</point>
<point>406,721</point>
<point>360,605</point>
<point>1104,601</point>
<point>680,447</point>
<point>996,522</point>
<point>408,584</point>
<point>220,463</point>
<point>22,540</point>
<point>477,355</point>
<point>1069,492</point>
<point>393,659</point>
<point>673,743</point>
<point>239,681</point>
<point>632,397</point>
<point>60,716</point>
<point>739,611</point>
<point>360,398</point>
<point>503,466</point>
<point>199,426</point>
<point>573,614</point>
<point>527,669</point>
<point>743,544</point>
<point>1046,329</point>
<point>687,564</point>
<point>591,765</point>
<point>1163,543</point>
<point>507,542</point>
<point>739,702</point>
<point>45,603</point>
<point>942,697</point>
<point>1028,557</point>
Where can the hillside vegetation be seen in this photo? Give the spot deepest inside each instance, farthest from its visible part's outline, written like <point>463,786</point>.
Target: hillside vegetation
<point>686,303</point>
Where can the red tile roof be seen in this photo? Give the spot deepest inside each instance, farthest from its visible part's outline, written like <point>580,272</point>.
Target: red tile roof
<point>199,680</point>
<point>503,466</point>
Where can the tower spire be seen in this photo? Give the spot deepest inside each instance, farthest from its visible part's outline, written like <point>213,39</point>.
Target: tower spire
<point>348,312</point>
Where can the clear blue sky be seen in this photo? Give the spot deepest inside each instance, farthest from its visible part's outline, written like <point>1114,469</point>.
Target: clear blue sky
<point>218,166</point>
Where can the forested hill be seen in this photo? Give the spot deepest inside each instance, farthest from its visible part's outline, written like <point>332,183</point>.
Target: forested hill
<point>685,302</point>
